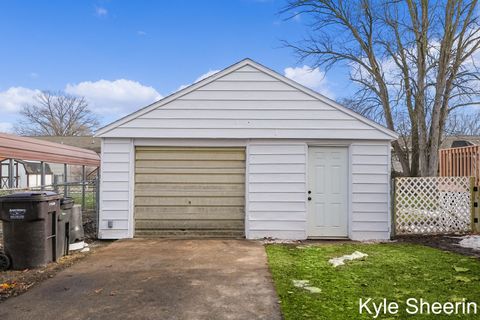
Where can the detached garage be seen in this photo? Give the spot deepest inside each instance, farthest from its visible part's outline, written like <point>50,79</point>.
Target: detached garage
<point>245,153</point>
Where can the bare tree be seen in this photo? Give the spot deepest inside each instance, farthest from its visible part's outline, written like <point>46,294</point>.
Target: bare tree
<point>461,123</point>
<point>57,114</point>
<point>413,60</point>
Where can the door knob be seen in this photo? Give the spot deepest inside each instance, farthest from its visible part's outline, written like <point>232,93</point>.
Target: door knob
<point>309,198</point>
<point>309,191</point>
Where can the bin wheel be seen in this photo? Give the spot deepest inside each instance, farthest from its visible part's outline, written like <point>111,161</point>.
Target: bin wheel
<point>4,262</point>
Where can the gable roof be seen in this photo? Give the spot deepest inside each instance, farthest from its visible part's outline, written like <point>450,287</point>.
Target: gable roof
<point>246,62</point>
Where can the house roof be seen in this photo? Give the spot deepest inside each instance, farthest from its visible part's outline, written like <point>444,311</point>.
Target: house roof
<point>246,62</point>
<point>35,167</point>
<point>447,141</point>
<point>86,142</point>
<point>24,148</point>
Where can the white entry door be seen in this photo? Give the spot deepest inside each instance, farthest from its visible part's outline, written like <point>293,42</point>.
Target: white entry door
<point>327,192</point>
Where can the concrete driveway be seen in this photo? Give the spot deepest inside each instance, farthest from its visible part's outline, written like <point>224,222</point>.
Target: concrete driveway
<point>157,279</point>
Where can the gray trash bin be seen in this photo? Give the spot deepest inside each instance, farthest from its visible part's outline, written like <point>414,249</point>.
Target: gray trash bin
<point>30,228</point>
<point>76,224</point>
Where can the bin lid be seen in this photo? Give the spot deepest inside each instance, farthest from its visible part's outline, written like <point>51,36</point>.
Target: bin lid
<point>66,201</point>
<point>30,196</point>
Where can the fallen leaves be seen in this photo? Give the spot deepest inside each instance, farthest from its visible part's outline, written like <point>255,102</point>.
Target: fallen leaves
<point>340,261</point>
<point>460,269</point>
<point>7,286</point>
<point>305,284</point>
<point>15,282</point>
<point>462,279</point>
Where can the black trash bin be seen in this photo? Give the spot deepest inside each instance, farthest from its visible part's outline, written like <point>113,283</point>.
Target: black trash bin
<point>63,227</point>
<point>30,228</point>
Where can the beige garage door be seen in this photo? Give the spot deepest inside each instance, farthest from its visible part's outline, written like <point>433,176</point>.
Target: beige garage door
<point>190,192</point>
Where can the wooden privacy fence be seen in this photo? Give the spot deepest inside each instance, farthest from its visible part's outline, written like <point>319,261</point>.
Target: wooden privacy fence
<point>433,205</point>
<point>460,162</point>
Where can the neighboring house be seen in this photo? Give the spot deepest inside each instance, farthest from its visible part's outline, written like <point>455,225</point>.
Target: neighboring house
<point>27,174</point>
<point>245,152</point>
<point>84,142</point>
<point>454,141</point>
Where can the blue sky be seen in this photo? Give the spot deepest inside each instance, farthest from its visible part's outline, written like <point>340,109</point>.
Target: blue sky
<point>123,55</point>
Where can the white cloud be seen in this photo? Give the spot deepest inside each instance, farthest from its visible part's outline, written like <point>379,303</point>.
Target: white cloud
<point>6,127</point>
<point>101,12</point>
<point>34,75</point>
<point>203,76</point>
<point>297,17</point>
<point>14,98</point>
<point>141,33</point>
<point>117,97</point>
<point>314,79</point>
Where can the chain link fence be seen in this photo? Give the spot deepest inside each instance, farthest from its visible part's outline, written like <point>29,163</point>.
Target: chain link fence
<point>84,193</point>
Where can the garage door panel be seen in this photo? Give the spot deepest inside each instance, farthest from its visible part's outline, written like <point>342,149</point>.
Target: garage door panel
<point>195,163</point>
<point>225,212</point>
<point>141,149</point>
<point>182,191</point>
<point>190,224</point>
<point>179,213</point>
<point>189,201</point>
<point>189,193</point>
<point>181,154</point>
<point>186,187</point>
<point>190,178</point>
<point>192,170</point>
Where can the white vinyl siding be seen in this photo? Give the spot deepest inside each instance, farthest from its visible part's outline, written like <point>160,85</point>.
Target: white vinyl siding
<point>275,186</point>
<point>115,189</point>
<point>276,190</point>
<point>246,103</point>
<point>370,191</point>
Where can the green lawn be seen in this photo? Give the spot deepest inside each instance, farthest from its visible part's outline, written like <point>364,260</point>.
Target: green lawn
<point>393,271</point>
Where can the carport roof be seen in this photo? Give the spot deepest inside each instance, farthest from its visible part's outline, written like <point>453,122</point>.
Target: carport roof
<point>23,148</point>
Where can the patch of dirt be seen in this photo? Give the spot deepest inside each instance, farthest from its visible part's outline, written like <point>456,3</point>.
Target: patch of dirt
<point>89,225</point>
<point>443,242</point>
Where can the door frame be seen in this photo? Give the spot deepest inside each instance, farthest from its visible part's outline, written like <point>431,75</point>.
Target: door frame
<point>346,146</point>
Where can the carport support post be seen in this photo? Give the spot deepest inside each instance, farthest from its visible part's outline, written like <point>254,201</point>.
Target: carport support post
<point>65,180</point>
<point>42,175</point>
<point>11,180</point>
<point>84,181</point>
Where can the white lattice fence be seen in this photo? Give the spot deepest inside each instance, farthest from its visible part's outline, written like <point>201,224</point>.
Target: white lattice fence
<point>432,205</point>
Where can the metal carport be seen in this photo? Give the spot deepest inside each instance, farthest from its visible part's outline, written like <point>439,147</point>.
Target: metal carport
<point>23,148</point>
